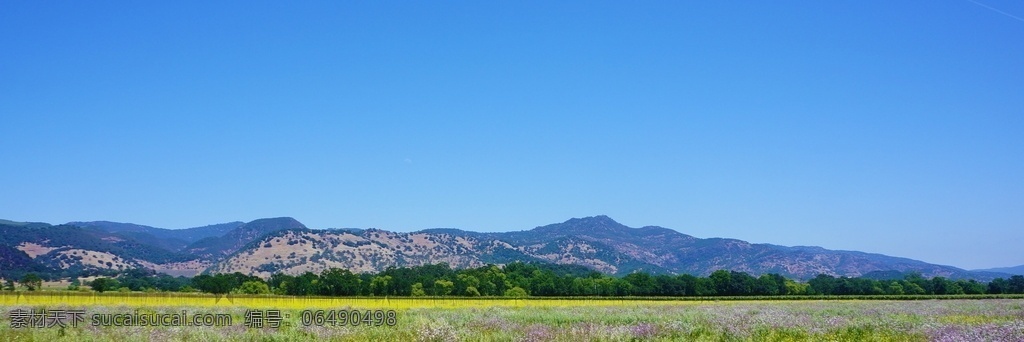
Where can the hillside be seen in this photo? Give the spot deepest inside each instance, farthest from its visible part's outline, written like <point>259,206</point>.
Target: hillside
<point>597,242</point>
<point>232,240</point>
<point>67,249</point>
<point>265,246</point>
<point>103,246</point>
<point>1015,270</point>
<point>170,239</point>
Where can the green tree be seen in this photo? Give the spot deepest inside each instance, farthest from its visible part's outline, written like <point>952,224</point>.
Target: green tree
<point>704,287</point>
<point>516,292</point>
<point>741,283</point>
<point>795,288</point>
<point>32,282</point>
<point>605,286</point>
<point>667,285</point>
<point>494,281</point>
<point>472,291</point>
<point>894,288</point>
<point>468,280</point>
<point>822,284</point>
<point>279,283</point>
<point>304,285</point>
<point>913,288</point>
<point>942,286</point>
<point>998,286</point>
<point>722,280</point>
<point>1015,284</point>
<point>689,284</point>
<point>9,285</point>
<point>915,278</point>
<point>622,287</point>
<point>543,283</point>
<point>253,287</point>
<point>643,283</point>
<point>339,282</point>
<point>381,285</point>
<point>443,287</point>
<point>770,285</point>
<point>417,290</point>
<point>216,284</point>
<point>971,286</point>
<point>584,286</point>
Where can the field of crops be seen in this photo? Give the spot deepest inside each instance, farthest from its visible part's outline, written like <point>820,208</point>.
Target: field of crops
<point>410,319</point>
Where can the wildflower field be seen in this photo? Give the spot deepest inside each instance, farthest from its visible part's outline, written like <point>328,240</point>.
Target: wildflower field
<point>465,319</point>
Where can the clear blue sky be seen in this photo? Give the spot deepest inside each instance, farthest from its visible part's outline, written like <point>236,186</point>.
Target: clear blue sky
<point>893,127</point>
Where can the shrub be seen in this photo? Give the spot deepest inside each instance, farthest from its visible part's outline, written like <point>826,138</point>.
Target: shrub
<point>516,292</point>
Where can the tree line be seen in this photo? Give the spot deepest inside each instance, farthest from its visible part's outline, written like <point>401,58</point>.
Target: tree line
<point>520,279</point>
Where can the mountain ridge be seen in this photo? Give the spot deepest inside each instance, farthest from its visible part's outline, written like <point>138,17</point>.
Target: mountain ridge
<point>283,244</point>
<point>173,240</point>
<point>1014,270</point>
<point>605,245</point>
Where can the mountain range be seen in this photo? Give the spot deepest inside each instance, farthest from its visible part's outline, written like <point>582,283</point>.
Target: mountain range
<point>1015,270</point>
<point>283,244</point>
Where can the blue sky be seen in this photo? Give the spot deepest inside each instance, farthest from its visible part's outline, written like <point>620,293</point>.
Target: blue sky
<point>893,127</point>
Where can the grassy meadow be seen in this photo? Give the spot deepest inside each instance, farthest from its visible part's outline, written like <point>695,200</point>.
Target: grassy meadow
<point>464,319</point>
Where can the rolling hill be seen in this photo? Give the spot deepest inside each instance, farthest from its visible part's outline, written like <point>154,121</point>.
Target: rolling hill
<point>265,246</point>
<point>170,239</point>
<point>90,247</point>
<point>1015,270</point>
<point>598,242</point>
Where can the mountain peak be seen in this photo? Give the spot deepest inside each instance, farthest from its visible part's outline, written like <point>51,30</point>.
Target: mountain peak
<point>285,220</point>
<point>599,221</point>
<point>583,226</point>
<point>264,226</point>
<point>242,235</point>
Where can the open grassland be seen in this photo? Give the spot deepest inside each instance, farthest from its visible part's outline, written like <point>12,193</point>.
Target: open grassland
<point>575,320</point>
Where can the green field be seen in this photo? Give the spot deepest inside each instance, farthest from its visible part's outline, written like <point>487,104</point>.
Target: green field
<point>408,319</point>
